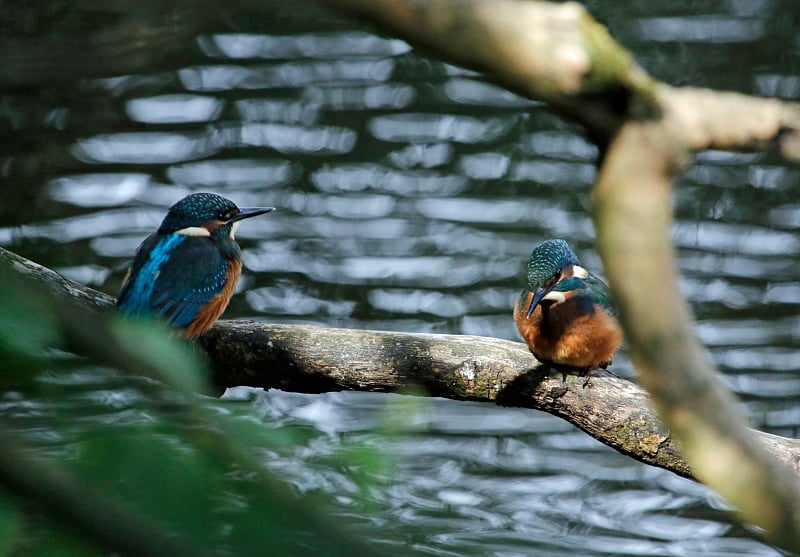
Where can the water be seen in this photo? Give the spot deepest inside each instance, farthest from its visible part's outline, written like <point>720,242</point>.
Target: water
<point>410,193</point>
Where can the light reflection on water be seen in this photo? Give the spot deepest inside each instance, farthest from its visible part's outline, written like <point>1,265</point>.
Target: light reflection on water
<point>409,195</point>
<point>458,468</point>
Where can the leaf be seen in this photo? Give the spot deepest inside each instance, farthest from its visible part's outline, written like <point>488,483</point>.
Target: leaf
<point>160,352</point>
<point>10,524</point>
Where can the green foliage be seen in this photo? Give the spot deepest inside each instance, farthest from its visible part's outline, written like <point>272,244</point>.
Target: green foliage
<point>10,524</point>
<point>156,347</point>
<point>27,329</point>
<point>142,465</point>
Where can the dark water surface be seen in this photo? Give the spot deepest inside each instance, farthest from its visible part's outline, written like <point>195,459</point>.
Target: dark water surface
<point>410,193</point>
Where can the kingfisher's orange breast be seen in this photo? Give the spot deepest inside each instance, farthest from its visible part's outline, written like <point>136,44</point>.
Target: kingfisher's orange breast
<point>563,333</point>
<point>209,313</point>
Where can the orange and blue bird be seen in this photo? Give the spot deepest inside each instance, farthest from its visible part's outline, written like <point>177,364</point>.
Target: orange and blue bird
<point>186,272</point>
<point>566,315</point>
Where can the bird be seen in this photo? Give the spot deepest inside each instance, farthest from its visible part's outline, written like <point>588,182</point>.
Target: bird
<point>186,271</point>
<point>567,315</point>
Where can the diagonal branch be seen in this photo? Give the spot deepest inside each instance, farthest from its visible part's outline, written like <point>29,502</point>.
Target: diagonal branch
<point>673,365</point>
<point>557,53</point>
<point>312,359</point>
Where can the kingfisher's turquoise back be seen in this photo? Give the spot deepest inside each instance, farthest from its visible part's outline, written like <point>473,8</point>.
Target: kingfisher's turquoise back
<point>172,277</point>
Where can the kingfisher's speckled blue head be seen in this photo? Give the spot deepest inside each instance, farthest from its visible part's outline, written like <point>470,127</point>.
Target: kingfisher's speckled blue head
<point>549,263</point>
<point>207,214</point>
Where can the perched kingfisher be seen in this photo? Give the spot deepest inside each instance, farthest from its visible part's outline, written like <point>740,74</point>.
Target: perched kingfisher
<point>187,270</point>
<point>567,315</point>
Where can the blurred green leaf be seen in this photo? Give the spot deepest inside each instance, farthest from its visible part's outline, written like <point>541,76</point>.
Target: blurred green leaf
<point>157,346</point>
<point>10,526</point>
<point>156,475</point>
<point>54,541</point>
<point>151,468</point>
<point>27,327</point>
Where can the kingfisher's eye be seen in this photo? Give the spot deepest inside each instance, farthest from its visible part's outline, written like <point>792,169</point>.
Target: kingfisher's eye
<point>227,215</point>
<point>552,280</point>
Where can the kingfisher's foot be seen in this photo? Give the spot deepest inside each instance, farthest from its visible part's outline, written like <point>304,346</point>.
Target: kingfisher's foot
<point>566,370</point>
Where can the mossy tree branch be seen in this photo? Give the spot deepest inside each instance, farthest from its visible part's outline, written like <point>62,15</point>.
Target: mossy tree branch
<point>318,359</point>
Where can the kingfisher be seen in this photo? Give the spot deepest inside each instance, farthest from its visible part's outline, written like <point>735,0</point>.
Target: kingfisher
<point>186,271</point>
<point>566,315</point>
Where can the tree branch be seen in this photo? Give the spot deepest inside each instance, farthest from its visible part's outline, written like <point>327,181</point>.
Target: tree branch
<point>673,364</point>
<point>312,359</point>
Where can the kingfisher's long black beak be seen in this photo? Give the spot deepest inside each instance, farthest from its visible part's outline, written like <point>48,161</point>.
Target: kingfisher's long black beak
<point>247,212</point>
<point>538,294</point>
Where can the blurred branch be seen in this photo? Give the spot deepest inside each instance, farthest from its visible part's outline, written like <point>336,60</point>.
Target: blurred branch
<point>559,54</point>
<point>316,359</point>
<point>698,119</point>
<point>673,364</point>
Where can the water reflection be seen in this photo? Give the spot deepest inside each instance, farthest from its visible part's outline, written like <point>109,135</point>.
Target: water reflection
<point>474,92</point>
<point>288,111</point>
<point>144,147</point>
<point>360,177</point>
<point>702,29</point>
<point>309,45</point>
<point>413,301</point>
<point>173,109</point>
<point>295,139</point>
<point>428,128</point>
<point>228,77</point>
<point>241,173</point>
<point>287,299</point>
<point>484,166</point>
<point>781,86</point>
<point>99,189</point>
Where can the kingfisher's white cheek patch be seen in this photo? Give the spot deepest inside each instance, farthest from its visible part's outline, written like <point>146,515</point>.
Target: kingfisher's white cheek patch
<point>580,272</point>
<point>234,228</point>
<point>193,231</point>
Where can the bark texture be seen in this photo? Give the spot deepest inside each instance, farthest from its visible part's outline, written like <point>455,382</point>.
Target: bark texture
<point>311,359</point>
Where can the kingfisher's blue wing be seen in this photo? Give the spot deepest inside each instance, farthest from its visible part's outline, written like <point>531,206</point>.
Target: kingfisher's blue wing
<point>602,293</point>
<point>173,277</point>
<point>591,291</point>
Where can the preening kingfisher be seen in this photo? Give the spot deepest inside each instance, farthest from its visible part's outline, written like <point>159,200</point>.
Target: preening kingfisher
<point>186,272</point>
<point>566,315</point>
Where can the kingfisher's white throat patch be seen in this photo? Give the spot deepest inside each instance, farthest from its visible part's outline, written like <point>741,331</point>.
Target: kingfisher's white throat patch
<point>555,296</point>
<point>234,228</point>
<point>193,231</point>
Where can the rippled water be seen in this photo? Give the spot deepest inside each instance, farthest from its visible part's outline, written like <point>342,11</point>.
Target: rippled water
<point>410,193</point>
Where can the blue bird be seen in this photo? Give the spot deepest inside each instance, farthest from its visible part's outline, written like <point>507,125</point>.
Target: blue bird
<point>186,272</point>
<point>566,315</point>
